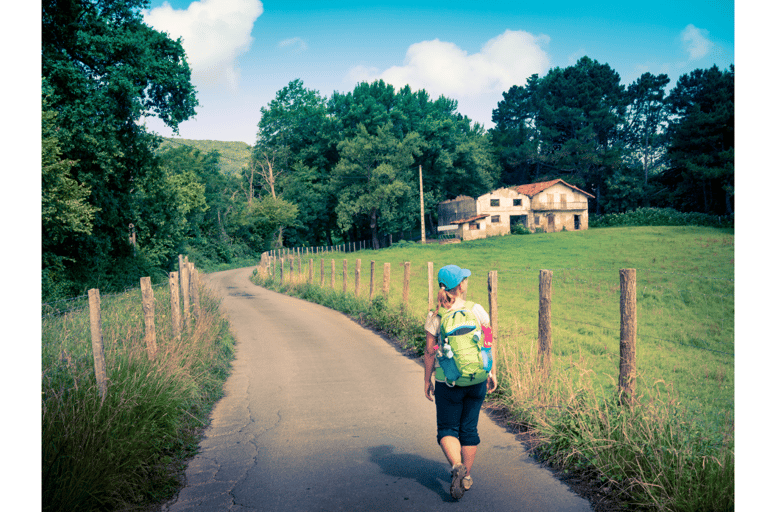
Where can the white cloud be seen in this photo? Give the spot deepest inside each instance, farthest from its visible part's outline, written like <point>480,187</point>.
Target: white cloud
<point>696,43</point>
<point>214,34</point>
<point>476,80</point>
<point>444,68</point>
<point>296,43</point>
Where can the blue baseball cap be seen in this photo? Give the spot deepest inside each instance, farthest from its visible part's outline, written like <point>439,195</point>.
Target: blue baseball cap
<point>451,276</point>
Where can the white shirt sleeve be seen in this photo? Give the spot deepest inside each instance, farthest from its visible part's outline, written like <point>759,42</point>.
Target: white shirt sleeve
<point>432,324</point>
<point>481,315</point>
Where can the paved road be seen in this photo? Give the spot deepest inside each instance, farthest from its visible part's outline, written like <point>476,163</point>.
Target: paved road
<point>320,414</point>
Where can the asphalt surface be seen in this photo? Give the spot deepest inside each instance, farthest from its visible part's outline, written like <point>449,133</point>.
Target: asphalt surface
<point>321,414</point>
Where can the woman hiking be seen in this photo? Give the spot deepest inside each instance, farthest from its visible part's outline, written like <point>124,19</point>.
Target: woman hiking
<point>457,402</point>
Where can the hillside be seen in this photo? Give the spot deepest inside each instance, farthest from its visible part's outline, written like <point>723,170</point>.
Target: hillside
<point>234,154</point>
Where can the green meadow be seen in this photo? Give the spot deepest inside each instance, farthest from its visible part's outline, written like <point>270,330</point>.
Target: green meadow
<point>685,346</point>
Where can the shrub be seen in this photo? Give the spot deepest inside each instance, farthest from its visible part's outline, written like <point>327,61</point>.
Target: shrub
<point>660,217</point>
<point>519,229</point>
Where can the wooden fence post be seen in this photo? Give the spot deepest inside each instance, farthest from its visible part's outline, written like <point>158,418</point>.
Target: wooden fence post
<point>431,291</point>
<point>493,301</point>
<point>344,287</point>
<point>545,321</point>
<point>198,286</point>
<point>97,342</point>
<point>406,282</point>
<point>357,278</point>
<point>282,270</point>
<point>148,307</point>
<point>173,285</point>
<point>333,274</point>
<point>373,267</point>
<point>385,286</point>
<point>311,271</point>
<point>184,273</point>
<point>322,272</point>
<point>194,289</point>
<point>290,271</point>
<point>628,340</point>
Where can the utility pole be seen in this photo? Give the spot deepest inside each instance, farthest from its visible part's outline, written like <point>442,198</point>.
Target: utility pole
<point>421,196</point>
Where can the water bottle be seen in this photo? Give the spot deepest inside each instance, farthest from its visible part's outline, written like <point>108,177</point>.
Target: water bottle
<point>484,338</point>
<point>448,364</point>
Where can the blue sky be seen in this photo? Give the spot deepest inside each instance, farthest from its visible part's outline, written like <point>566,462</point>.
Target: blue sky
<point>243,51</point>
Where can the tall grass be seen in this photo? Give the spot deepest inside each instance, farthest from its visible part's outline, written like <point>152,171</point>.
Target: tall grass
<point>126,451</point>
<point>672,450</point>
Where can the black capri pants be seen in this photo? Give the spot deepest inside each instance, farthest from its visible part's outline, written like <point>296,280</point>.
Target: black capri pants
<point>458,410</point>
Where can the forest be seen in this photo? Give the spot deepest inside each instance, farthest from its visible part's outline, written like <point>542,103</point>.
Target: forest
<point>117,204</point>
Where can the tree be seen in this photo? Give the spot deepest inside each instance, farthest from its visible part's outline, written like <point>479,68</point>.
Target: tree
<point>515,135</point>
<point>107,70</point>
<point>701,142</point>
<point>564,125</point>
<point>300,139</point>
<point>65,210</point>
<point>580,110</point>
<point>645,121</point>
<point>374,179</point>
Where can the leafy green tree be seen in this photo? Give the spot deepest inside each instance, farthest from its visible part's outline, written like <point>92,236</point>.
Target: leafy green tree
<point>375,180</point>
<point>303,134</point>
<point>165,203</point>
<point>369,104</point>
<point>515,135</point>
<point>299,139</point>
<point>257,222</point>
<point>701,142</point>
<point>454,154</point>
<point>107,70</point>
<point>645,121</point>
<point>65,210</point>
<point>580,110</point>
<point>566,124</point>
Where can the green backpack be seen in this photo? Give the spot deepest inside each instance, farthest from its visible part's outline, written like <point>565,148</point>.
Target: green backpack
<point>459,347</point>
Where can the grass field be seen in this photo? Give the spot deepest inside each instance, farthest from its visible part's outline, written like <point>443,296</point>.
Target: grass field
<point>125,452</point>
<point>685,350</point>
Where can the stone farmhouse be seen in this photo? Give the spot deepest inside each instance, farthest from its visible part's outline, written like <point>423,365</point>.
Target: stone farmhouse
<point>550,206</point>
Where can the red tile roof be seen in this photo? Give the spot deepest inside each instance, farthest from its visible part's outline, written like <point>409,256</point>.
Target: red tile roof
<point>532,189</point>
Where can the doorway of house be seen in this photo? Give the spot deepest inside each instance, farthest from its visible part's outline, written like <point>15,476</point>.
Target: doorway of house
<point>551,223</point>
<point>577,222</point>
<point>517,219</point>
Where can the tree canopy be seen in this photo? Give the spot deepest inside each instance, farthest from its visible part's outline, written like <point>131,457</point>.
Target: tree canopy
<point>106,70</point>
<point>629,147</point>
<point>324,170</point>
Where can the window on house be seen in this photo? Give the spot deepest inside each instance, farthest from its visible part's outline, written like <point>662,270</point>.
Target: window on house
<point>474,225</point>
<point>495,219</point>
<point>537,220</point>
<point>494,202</point>
<point>517,202</point>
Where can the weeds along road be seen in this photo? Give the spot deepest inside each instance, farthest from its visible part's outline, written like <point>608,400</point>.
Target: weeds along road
<point>321,414</point>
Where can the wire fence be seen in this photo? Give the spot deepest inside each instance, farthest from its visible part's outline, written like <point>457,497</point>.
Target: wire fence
<point>679,314</point>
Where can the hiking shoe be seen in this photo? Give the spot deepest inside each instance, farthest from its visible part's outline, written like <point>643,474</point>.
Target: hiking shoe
<point>466,482</point>
<point>458,472</point>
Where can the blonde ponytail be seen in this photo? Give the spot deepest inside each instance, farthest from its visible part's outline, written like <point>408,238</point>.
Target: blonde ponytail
<point>446,298</point>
